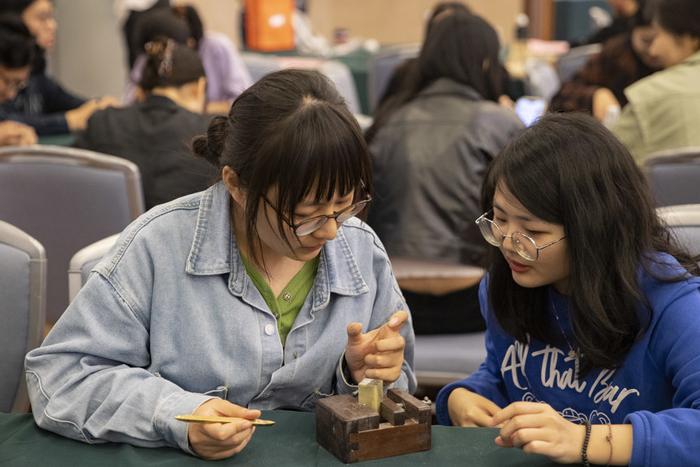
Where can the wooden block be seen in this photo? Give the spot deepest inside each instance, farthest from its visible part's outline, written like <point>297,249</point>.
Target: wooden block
<point>416,409</point>
<point>392,412</point>
<point>371,393</point>
<point>339,416</point>
<point>391,441</point>
<point>353,432</point>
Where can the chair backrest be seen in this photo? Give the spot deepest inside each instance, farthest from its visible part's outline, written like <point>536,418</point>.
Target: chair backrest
<point>382,67</point>
<point>84,260</point>
<point>23,302</point>
<point>574,60</point>
<point>674,176</point>
<point>442,358</point>
<point>541,79</point>
<point>66,198</point>
<point>684,223</point>
<point>260,65</point>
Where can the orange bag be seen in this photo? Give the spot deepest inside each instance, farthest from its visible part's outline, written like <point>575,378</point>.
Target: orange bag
<point>269,25</point>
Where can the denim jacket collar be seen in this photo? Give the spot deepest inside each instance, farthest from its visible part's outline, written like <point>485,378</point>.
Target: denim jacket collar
<point>214,251</point>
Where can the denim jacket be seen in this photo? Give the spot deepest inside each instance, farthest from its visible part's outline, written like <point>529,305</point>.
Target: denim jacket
<point>169,319</point>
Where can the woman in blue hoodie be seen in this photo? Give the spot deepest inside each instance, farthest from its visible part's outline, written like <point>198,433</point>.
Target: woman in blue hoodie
<point>592,310</point>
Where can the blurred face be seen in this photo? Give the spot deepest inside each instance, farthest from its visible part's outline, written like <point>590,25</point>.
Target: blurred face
<point>12,80</point>
<point>669,49</point>
<point>623,7</point>
<point>642,38</point>
<point>306,247</point>
<point>41,22</point>
<point>552,265</point>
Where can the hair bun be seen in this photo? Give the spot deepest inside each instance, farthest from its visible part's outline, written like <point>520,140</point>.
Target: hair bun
<point>211,145</point>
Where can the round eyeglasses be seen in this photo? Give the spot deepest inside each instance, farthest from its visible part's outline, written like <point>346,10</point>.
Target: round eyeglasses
<point>523,244</point>
<point>312,224</point>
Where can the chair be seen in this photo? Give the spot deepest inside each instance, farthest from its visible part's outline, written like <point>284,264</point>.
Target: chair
<point>684,223</point>
<point>23,298</point>
<point>574,60</point>
<point>443,358</point>
<point>84,260</point>
<point>66,198</point>
<point>382,67</point>
<point>541,79</point>
<point>674,175</point>
<point>260,65</point>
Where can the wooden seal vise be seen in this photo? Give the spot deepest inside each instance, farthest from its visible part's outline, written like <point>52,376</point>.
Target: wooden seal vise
<point>357,432</point>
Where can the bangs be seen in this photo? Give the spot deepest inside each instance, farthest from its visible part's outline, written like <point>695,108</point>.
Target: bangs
<point>323,153</point>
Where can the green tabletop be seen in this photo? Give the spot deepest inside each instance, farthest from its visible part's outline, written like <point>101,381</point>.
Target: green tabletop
<point>292,441</point>
<point>57,140</point>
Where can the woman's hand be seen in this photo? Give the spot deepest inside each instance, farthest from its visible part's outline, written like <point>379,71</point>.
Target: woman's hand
<point>468,408</point>
<point>77,118</point>
<point>221,440</point>
<point>603,101</point>
<point>16,134</point>
<point>376,354</point>
<point>539,429</point>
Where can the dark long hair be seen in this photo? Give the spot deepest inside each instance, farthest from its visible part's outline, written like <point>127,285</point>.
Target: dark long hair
<point>291,130</point>
<point>15,6</point>
<point>459,46</point>
<point>679,17</point>
<point>17,46</point>
<point>568,169</point>
<point>194,22</point>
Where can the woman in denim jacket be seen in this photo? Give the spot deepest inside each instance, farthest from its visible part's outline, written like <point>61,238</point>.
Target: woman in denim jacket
<point>246,296</point>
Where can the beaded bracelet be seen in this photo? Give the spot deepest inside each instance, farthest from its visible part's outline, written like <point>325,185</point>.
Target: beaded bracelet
<point>584,448</point>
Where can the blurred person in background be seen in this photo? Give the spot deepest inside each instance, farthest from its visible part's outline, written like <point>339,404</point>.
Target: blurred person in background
<point>663,112</point>
<point>623,20</point>
<point>431,144</point>
<point>43,103</point>
<point>227,74</point>
<point>401,72</point>
<point>598,88</point>
<point>129,12</point>
<point>155,133</point>
<point>17,50</point>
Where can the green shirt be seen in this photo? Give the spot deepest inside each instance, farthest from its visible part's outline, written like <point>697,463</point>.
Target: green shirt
<point>287,305</point>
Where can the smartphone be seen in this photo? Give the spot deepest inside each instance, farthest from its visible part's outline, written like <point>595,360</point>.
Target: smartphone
<point>530,108</point>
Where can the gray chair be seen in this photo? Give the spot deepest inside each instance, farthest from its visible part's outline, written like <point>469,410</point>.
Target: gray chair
<point>260,65</point>
<point>674,176</point>
<point>575,59</point>
<point>23,299</point>
<point>382,67</point>
<point>66,198</point>
<point>84,260</point>
<point>684,223</point>
<point>442,358</point>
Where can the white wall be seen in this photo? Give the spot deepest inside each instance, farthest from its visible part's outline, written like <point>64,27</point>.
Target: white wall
<point>89,54</point>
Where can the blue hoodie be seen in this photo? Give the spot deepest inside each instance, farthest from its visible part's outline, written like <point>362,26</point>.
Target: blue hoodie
<point>657,388</point>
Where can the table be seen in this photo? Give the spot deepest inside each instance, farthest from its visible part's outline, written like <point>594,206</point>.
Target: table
<point>290,442</point>
<point>57,140</point>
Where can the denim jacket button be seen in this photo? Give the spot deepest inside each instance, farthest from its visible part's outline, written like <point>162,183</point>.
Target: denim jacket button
<point>269,329</point>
